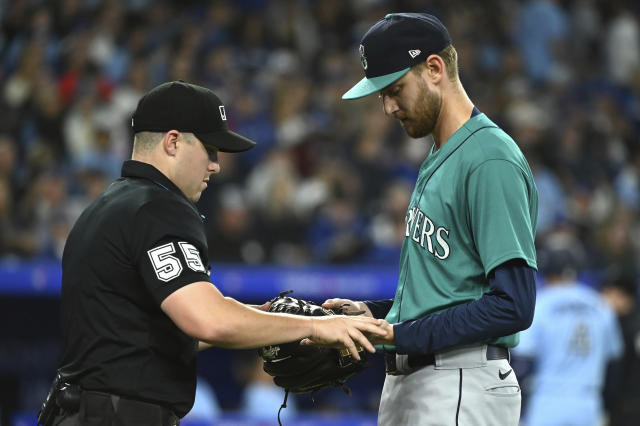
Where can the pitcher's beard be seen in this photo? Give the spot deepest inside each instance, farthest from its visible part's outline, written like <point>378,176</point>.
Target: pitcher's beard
<point>423,118</point>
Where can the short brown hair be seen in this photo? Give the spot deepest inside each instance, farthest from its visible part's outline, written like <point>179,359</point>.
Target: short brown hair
<point>449,56</point>
<point>144,142</point>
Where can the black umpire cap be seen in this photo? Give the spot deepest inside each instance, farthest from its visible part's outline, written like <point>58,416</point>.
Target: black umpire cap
<point>185,107</point>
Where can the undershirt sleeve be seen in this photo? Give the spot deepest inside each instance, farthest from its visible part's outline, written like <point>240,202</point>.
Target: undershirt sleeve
<point>507,308</point>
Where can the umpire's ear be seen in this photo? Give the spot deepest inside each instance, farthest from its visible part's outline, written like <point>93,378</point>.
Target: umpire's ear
<point>170,142</point>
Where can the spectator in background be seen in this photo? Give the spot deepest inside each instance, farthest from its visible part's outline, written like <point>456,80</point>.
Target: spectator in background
<point>233,238</point>
<point>52,211</point>
<point>6,228</point>
<point>71,70</point>
<point>622,43</point>
<point>80,126</point>
<point>553,206</point>
<point>8,159</point>
<point>540,29</point>
<point>252,118</point>
<point>627,182</point>
<point>574,335</point>
<point>339,232</point>
<point>48,116</point>
<point>387,228</point>
<point>372,157</point>
<point>615,240</point>
<point>28,202</point>
<point>122,104</point>
<point>621,292</point>
<point>19,87</point>
<point>100,155</point>
<point>272,190</point>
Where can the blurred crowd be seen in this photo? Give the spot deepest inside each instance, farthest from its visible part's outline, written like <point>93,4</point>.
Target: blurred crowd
<point>329,180</point>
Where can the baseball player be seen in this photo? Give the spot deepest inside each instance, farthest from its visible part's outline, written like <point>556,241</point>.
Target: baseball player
<point>467,265</point>
<point>137,301</point>
<point>573,337</point>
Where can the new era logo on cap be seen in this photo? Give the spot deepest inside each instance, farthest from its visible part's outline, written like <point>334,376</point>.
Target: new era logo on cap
<point>393,45</point>
<point>223,114</point>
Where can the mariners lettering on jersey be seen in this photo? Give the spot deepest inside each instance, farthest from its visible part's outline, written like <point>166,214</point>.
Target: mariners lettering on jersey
<point>421,229</point>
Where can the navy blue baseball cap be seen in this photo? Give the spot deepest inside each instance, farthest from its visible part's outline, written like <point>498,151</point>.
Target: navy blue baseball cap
<point>177,105</point>
<point>393,45</point>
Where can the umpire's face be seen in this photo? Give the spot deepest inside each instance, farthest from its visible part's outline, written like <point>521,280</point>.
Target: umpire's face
<point>195,165</point>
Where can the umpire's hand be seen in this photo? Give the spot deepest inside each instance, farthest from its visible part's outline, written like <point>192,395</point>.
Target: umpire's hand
<point>349,306</point>
<point>339,331</point>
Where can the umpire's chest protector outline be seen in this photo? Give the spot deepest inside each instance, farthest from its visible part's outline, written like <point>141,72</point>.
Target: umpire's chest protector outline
<point>474,206</point>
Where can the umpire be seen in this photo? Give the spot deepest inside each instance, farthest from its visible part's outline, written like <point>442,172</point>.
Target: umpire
<point>137,301</point>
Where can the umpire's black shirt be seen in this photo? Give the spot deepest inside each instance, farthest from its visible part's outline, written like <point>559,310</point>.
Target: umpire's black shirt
<point>141,240</point>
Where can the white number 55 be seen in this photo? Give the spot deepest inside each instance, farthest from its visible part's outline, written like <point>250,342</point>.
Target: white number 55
<point>167,267</point>
<point>192,256</point>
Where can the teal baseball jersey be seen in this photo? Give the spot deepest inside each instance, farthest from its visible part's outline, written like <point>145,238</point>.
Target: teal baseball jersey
<point>474,206</point>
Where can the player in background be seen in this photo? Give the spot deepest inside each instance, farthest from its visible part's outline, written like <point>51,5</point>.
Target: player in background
<point>467,267</point>
<point>573,337</point>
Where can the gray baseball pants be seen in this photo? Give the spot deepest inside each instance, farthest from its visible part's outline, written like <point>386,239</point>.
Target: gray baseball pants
<point>463,388</point>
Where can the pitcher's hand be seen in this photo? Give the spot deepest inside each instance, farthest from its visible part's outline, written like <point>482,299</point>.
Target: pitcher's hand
<point>347,306</point>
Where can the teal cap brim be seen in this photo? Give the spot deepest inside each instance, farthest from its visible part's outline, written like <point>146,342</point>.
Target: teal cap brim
<point>367,86</point>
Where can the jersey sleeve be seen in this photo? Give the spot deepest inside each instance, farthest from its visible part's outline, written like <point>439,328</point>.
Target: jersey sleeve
<point>170,249</point>
<point>502,218</point>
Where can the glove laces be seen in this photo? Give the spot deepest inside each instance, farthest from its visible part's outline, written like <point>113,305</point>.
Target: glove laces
<point>284,405</point>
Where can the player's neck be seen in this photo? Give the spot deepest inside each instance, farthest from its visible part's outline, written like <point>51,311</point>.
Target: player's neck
<point>455,111</point>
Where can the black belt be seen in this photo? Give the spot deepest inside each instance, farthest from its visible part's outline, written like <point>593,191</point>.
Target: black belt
<point>131,411</point>
<point>494,352</point>
<point>94,404</point>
